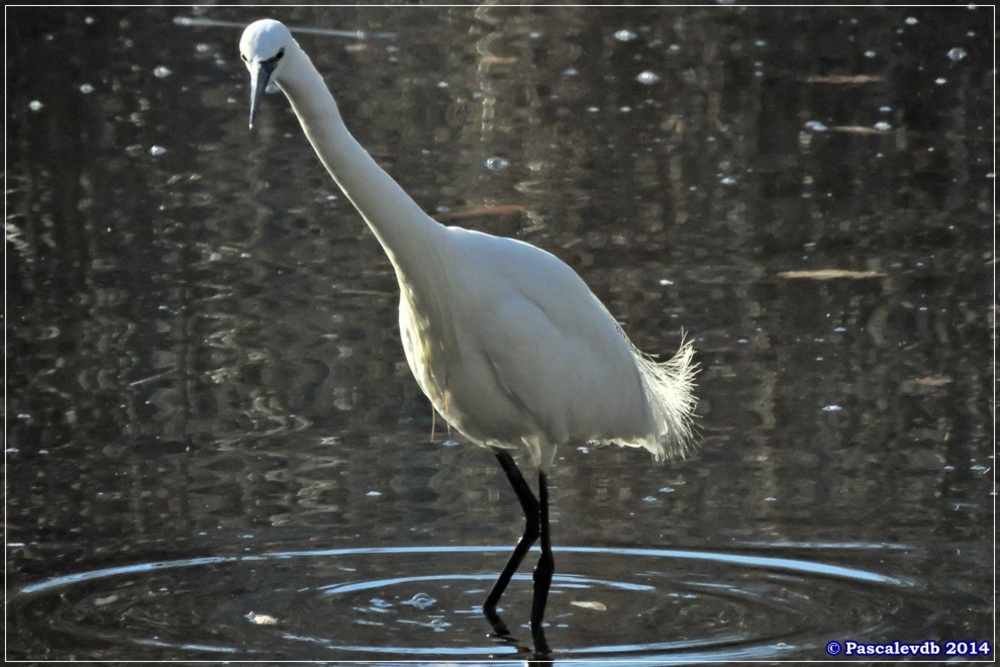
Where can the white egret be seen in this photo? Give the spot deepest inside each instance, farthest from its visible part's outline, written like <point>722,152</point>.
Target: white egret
<point>506,340</point>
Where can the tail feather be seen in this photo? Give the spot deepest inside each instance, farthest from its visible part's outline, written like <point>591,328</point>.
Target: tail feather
<point>669,387</point>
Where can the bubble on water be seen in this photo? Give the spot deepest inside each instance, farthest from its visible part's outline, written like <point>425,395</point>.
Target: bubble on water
<point>157,151</point>
<point>647,78</point>
<point>911,20</point>
<point>870,53</point>
<point>883,126</point>
<point>421,601</point>
<point>625,35</point>
<point>35,105</point>
<point>496,163</point>
<point>957,53</point>
<point>885,109</point>
<point>162,72</point>
<point>940,81</point>
<point>832,408</point>
<point>571,71</point>
<point>86,89</point>
<point>373,494</point>
<point>728,180</point>
<point>815,126</point>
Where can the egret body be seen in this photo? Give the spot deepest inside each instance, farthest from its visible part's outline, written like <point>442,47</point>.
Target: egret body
<point>507,341</point>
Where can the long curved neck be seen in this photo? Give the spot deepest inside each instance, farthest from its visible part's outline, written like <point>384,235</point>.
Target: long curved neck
<point>400,225</point>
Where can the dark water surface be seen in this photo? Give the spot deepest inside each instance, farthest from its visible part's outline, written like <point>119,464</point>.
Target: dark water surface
<point>215,449</point>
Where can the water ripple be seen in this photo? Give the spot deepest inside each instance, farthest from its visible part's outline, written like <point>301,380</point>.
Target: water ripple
<point>419,602</point>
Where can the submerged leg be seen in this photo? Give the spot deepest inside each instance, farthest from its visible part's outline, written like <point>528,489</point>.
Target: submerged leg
<point>532,519</point>
<point>543,571</point>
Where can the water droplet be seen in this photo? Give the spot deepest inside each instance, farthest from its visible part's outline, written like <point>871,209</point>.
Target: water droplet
<point>770,499</point>
<point>442,84</point>
<point>496,163</point>
<point>625,109</point>
<point>911,20</point>
<point>667,489</point>
<point>957,53</point>
<point>162,72</point>
<point>157,151</point>
<point>647,78</point>
<point>649,499</point>
<point>86,89</point>
<point>625,35</point>
<point>832,408</point>
<point>883,126</point>
<point>816,126</point>
<point>885,109</point>
<point>728,180</point>
<point>870,53</point>
<point>35,105</point>
<point>571,71</point>
<point>940,81</point>
<point>373,494</point>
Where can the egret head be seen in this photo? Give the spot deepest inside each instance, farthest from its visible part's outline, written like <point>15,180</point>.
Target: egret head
<point>262,49</point>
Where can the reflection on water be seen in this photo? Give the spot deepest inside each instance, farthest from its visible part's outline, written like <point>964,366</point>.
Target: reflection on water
<point>202,344</point>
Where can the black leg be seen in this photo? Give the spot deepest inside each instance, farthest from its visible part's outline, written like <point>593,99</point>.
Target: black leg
<point>543,571</point>
<point>532,518</point>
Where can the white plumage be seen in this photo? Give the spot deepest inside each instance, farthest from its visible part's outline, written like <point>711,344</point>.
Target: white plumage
<point>505,339</point>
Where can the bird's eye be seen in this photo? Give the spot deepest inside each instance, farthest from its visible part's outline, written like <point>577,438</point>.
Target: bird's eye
<point>243,57</point>
<point>280,55</point>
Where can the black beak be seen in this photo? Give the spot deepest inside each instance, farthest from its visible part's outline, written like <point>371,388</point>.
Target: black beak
<point>260,76</point>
